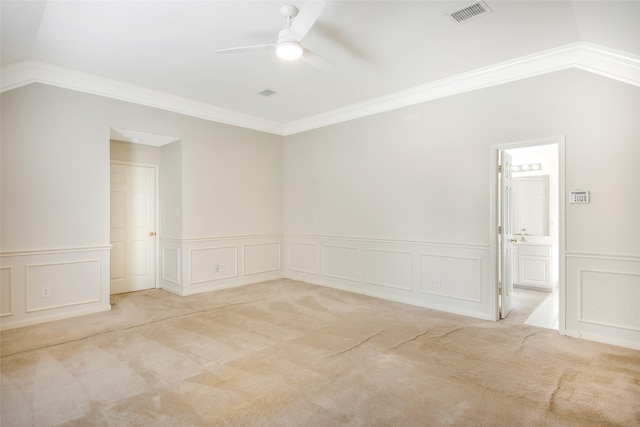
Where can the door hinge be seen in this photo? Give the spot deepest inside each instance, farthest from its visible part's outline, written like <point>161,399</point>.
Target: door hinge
<point>499,168</point>
<point>499,229</point>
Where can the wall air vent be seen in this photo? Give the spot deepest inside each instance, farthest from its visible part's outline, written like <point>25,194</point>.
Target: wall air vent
<point>471,11</point>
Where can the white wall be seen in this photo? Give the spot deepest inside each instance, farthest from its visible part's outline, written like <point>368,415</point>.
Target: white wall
<point>171,191</point>
<point>232,201</point>
<point>232,184</point>
<point>395,205</point>
<point>398,190</point>
<point>136,153</point>
<point>55,201</point>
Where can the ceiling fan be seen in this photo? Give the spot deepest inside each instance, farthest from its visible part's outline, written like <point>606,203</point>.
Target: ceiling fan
<point>298,23</point>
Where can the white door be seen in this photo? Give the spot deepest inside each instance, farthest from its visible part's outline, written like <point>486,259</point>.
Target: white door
<point>506,242</point>
<point>133,225</point>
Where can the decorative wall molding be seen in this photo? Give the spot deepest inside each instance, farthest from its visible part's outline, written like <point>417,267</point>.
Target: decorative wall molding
<point>265,268</point>
<point>55,251</point>
<point>52,275</point>
<point>189,265</point>
<point>6,291</point>
<point>77,280</point>
<point>170,258</point>
<point>597,59</point>
<point>383,267</point>
<point>602,294</point>
<point>617,65</point>
<point>590,308</point>
<point>220,238</point>
<point>473,274</point>
<point>330,267</point>
<point>52,317</point>
<point>607,256</point>
<point>26,72</point>
<point>387,240</point>
<point>394,270</point>
<point>293,264</point>
<point>214,255</point>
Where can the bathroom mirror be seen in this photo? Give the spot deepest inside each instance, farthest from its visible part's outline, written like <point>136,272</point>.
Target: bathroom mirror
<point>531,200</point>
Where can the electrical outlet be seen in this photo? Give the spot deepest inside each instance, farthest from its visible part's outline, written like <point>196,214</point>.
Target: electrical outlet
<point>45,292</point>
<point>437,283</point>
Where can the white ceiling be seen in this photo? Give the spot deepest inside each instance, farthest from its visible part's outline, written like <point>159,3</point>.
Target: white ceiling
<point>378,47</point>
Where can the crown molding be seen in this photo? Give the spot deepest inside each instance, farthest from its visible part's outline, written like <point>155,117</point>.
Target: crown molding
<point>22,73</point>
<point>597,59</point>
<point>617,65</point>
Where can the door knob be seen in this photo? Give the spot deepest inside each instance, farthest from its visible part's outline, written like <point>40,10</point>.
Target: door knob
<point>514,240</point>
<point>152,233</point>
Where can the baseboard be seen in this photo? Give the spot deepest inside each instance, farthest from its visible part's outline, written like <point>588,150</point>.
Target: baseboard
<point>533,288</point>
<point>390,297</point>
<point>51,318</point>
<point>621,342</point>
<point>228,285</point>
<point>172,289</point>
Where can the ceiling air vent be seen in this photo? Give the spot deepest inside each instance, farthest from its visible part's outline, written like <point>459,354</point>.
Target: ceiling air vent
<point>267,92</point>
<point>471,11</point>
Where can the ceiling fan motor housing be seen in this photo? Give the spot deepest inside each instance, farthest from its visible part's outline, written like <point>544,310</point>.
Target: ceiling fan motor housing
<point>289,11</point>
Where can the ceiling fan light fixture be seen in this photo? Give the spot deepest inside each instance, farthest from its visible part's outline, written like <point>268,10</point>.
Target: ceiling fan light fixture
<point>289,50</point>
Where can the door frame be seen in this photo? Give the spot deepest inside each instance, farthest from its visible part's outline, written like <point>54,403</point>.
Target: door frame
<point>156,238</point>
<point>494,213</point>
<point>505,239</point>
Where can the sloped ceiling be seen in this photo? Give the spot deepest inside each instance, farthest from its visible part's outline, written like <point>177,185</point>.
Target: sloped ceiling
<point>386,53</point>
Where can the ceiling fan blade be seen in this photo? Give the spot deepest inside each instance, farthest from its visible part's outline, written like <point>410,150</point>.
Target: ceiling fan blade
<point>309,13</point>
<point>246,48</point>
<point>315,59</point>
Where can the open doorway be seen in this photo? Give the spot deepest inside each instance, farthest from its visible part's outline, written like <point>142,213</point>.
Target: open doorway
<point>535,223</point>
<point>529,218</point>
<point>145,178</point>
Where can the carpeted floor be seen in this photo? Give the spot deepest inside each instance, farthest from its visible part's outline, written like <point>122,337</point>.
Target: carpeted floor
<point>285,353</point>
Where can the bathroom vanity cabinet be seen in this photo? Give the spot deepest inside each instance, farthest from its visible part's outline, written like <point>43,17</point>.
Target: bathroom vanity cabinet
<point>533,266</point>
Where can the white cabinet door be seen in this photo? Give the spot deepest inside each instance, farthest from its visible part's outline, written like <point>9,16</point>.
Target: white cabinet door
<point>534,271</point>
<point>533,265</point>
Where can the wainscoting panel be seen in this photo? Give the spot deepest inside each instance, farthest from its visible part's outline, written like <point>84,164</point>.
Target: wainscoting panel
<point>340,262</point>
<point>303,257</point>
<point>396,270</point>
<point>53,284</point>
<point>191,266</point>
<point>171,265</point>
<point>388,268</point>
<point>261,258</point>
<point>62,284</point>
<point>452,277</point>
<point>596,288</point>
<point>6,291</point>
<point>210,264</point>
<point>603,298</point>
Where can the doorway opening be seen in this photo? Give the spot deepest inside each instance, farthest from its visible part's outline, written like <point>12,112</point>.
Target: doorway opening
<point>145,168</point>
<point>528,244</point>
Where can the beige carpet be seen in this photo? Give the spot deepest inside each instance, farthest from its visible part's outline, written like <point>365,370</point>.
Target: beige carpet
<point>285,353</point>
